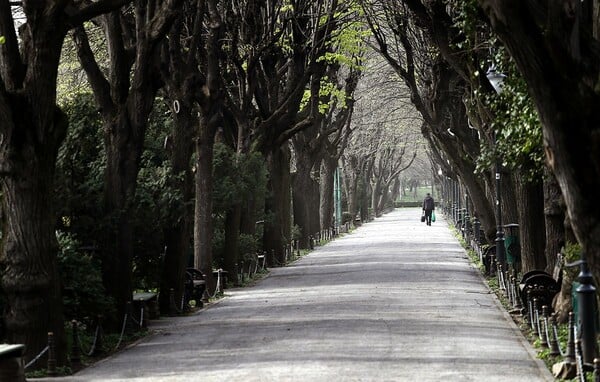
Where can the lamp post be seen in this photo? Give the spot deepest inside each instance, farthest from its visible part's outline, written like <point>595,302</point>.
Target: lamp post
<point>496,79</point>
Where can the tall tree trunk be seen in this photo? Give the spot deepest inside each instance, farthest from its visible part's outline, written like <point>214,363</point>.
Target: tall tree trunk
<point>122,165</point>
<point>278,230</point>
<point>231,251</point>
<point>383,199</point>
<point>326,204</point>
<point>351,177</point>
<point>396,190</point>
<point>203,229</point>
<point>375,195</point>
<point>178,233</point>
<point>306,200</point>
<point>364,198</point>
<point>532,230</point>
<point>543,45</point>
<point>28,263</point>
<point>554,217</point>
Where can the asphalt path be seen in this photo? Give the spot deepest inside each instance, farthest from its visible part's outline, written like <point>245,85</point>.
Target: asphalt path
<point>395,300</point>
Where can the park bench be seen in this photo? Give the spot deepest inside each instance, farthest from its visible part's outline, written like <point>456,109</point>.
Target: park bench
<point>146,303</point>
<point>11,363</point>
<point>195,285</point>
<point>540,285</point>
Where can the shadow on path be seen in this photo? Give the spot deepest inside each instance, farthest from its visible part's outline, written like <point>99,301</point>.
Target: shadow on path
<point>395,300</point>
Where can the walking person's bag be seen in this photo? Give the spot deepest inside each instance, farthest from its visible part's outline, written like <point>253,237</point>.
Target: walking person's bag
<point>432,216</point>
<point>423,217</point>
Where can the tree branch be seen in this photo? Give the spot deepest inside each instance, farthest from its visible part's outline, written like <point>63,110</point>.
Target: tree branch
<point>12,70</point>
<point>99,84</point>
<point>94,9</point>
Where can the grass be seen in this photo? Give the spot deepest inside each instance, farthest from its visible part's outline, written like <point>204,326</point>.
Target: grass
<point>416,197</point>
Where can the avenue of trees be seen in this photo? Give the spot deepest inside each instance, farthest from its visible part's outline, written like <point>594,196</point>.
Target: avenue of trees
<point>140,138</point>
<point>542,129</point>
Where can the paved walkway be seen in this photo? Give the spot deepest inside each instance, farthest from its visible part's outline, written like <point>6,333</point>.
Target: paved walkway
<point>395,300</point>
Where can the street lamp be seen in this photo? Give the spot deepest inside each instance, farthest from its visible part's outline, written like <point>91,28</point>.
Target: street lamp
<point>497,79</point>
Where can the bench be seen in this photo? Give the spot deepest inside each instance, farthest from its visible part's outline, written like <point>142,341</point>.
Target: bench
<point>540,285</point>
<point>195,285</point>
<point>147,304</point>
<point>11,362</point>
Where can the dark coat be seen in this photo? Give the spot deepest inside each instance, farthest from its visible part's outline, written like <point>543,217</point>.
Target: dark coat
<point>428,203</point>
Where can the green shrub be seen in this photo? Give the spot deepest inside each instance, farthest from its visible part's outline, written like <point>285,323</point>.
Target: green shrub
<point>84,296</point>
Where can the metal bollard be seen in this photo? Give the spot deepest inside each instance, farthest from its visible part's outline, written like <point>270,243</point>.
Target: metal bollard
<point>553,341</point>
<point>237,273</point>
<point>75,349</point>
<point>536,316</point>
<point>596,370</point>
<point>544,327</point>
<point>517,294</point>
<point>511,290</point>
<point>530,309</point>
<point>51,356</point>
<point>570,353</point>
<point>172,305</point>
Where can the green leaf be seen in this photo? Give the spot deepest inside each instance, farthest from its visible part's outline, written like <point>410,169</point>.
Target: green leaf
<point>2,39</point>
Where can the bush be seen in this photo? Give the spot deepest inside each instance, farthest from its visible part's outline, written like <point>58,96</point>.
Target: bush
<point>84,297</point>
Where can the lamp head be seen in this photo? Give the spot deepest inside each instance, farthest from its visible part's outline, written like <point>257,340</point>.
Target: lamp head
<point>495,78</point>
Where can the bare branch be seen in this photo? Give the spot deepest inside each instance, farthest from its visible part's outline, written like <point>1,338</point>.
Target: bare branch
<point>94,9</point>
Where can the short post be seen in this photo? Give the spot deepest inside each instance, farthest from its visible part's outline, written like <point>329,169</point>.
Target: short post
<point>553,341</point>
<point>515,291</point>
<point>544,327</point>
<point>237,274</point>
<point>570,353</point>
<point>51,356</point>
<point>172,305</point>
<point>530,308</point>
<point>536,316</point>
<point>75,349</point>
<point>518,295</point>
<point>596,369</point>
<point>242,272</point>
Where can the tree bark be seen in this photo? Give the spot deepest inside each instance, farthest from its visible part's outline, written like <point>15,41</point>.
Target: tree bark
<point>554,216</point>
<point>326,206</point>
<point>178,233</point>
<point>552,41</point>
<point>32,129</point>
<point>122,165</point>
<point>231,251</point>
<point>30,280</point>
<point>306,199</point>
<point>203,228</point>
<point>532,232</point>
<point>278,205</point>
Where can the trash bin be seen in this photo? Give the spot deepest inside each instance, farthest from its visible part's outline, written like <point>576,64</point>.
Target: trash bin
<point>512,247</point>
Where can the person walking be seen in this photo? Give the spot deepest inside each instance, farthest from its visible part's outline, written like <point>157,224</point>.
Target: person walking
<point>428,207</point>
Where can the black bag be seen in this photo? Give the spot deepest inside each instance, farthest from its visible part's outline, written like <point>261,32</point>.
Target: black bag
<point>423,217</point>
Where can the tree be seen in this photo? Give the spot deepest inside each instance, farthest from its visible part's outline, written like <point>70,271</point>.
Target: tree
<point>273,53</point>
<point>33,128</point>
<point>125,95</point>
<point>553,45</point>
<point>436,89</point>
